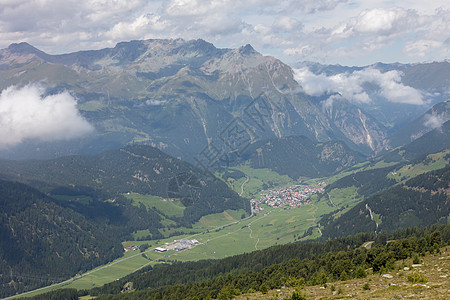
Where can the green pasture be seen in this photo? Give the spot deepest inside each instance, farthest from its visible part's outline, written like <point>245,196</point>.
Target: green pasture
<point>433,162</point>
<point>258,180</point>
<point>168,207</point>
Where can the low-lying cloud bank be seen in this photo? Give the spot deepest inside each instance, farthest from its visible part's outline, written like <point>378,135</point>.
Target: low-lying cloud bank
<point>351,85</point>
<point>26,114</point>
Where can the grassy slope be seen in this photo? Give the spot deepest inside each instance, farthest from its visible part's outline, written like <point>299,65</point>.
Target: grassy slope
<point>435,268</point>
<point>170,208</point>
<point>258,178</point>
<point>349,195</point>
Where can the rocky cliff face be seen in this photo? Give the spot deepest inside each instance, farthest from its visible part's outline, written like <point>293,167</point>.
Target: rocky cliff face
<point>182,96</point>
<point>362,129</point>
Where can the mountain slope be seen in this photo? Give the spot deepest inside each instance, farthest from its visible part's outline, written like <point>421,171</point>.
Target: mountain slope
<point>298,156</point>
<point>433,118</point>
<point>434,141</point>
<point>281,267</point>
<point>422,200</point>
<point>382,182</point>
<point>139,168</point>
<point>42,242</point>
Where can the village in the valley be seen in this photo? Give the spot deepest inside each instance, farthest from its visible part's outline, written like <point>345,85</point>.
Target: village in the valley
<point>293,196</point>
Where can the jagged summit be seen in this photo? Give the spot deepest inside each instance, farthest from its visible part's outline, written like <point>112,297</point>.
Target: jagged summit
<point>247,50</point>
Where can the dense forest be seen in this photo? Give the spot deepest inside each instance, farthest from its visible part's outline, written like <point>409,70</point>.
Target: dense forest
<point>367,182</point>
<point>422,200</point>
<point>42,242</point>
<point>292,265</point>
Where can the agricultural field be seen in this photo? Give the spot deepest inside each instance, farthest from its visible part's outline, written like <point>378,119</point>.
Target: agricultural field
<point>228,233</point>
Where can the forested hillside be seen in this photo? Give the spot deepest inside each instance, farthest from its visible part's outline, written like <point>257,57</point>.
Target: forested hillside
<point>140,169</point>
<point>431,142</point>
<point>415,129</point>
<point>42,242</point>
<point>298,156</point>
<point>420,201</point>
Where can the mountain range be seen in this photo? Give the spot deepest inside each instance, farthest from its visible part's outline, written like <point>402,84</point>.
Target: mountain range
<point>186,96</point>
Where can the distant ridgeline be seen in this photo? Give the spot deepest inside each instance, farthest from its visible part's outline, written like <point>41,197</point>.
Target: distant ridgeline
<point>141,169</point>
<point>184,95</point>
<point>292,265</point>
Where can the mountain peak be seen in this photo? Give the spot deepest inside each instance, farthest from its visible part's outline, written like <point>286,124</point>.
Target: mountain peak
<point>23,48</point>
<point>247,50</point>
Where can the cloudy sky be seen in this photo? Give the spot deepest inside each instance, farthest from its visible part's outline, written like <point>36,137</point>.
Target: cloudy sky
<point>358,32</point>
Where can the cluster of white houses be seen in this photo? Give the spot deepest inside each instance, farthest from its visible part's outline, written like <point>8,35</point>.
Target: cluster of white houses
<point>178,245</point>
<point>292,196</point>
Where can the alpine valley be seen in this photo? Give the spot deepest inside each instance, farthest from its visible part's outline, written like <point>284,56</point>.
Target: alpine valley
<point>221,173</point>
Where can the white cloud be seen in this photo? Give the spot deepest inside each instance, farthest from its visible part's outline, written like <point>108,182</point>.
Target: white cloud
<point>434,121</point>
<point>179,8</point>
<point>138,28</point>
<point>351,85</point>
<point>378,34</point>
<point>421,48</point>
<point>287,24</point>
<point>314,6</point>
<point>26,114</point>
<point>381,21</point>
<point>154,102</point>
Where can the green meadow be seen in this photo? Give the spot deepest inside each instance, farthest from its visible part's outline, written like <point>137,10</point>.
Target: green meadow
<point>169,207</point>
<point>256,180</point>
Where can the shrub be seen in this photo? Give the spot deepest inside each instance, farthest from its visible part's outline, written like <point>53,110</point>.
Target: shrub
<point>360,272</point>
<point>297,296</point>
<point>416,259</point>
<point>417,278</point>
